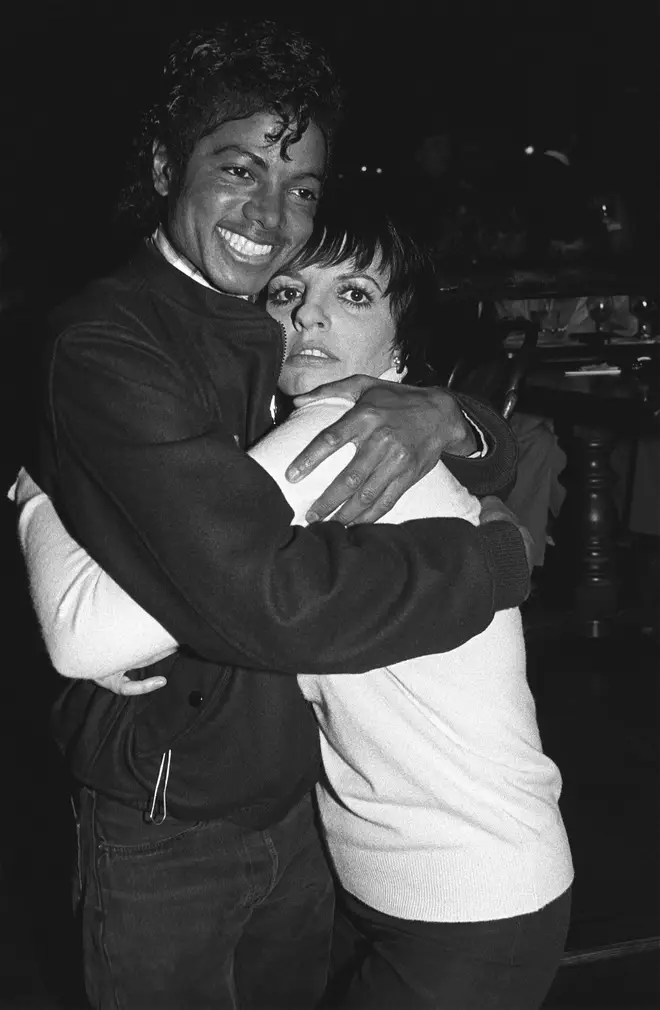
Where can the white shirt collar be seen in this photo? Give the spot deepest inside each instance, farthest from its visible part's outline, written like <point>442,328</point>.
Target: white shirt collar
<point>392,375</point>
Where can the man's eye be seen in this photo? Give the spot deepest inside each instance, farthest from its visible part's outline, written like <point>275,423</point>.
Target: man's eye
<point>308,195</point>
<point>237,171</point>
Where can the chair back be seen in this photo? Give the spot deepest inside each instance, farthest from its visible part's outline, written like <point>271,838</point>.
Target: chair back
<point>494,374</point>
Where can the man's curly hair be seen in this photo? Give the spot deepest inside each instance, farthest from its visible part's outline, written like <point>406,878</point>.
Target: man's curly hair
<point>230,72</point>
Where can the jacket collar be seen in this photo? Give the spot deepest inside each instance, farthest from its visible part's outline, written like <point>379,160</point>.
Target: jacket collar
<point>180,287</point>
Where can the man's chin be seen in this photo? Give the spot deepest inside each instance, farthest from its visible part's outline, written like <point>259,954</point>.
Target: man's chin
<point>240,287</point>
<point>240,283</point>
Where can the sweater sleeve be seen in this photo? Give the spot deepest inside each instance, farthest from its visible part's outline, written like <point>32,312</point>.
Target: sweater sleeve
<point>198,534</point>
<point>90,626</point>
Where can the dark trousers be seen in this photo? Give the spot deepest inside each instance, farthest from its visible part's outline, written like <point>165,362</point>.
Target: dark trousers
<point>179,916</point>
<point>384,963</point>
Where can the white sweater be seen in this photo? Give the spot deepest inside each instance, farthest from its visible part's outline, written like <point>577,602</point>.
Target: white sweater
<point>438,803</point>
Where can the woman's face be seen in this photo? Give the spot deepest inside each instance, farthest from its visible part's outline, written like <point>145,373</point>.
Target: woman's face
<point>338,323</point>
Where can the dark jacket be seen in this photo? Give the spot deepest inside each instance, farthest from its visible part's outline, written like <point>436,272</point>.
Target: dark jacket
<point>156,385</point>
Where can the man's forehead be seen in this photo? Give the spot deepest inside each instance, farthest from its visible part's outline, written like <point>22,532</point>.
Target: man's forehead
<point>267,130</point>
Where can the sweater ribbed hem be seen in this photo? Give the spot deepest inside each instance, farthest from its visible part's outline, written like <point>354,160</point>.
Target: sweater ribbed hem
<point>507,563</point>
<point>457,885</point>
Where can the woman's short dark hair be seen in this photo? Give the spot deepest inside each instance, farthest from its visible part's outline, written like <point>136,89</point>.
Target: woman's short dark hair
<point>353,228</point>
<point>230,72</point>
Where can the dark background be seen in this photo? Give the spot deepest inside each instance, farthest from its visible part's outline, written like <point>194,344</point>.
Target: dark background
<point>74,74</point>
<point>499,73</point>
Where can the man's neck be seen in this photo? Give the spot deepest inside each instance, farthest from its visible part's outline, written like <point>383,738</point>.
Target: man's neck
<point>161,242</point>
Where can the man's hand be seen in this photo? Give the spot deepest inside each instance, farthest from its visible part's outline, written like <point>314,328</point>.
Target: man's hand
<point>120,683</point>
<point>492,509</point>
<point>400,433</point>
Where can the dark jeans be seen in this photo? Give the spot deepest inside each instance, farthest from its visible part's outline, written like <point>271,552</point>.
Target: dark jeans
<point>383,963</point>
<point>180,916</point>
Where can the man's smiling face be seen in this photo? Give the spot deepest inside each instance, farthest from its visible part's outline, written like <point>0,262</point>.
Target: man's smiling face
<point>241,209</point>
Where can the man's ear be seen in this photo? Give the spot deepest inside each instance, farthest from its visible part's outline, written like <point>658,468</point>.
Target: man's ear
<point>161,169</point>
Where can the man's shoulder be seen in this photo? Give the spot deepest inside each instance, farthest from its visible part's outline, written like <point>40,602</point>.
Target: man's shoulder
<point>108,297</point>
<point>136,306</point>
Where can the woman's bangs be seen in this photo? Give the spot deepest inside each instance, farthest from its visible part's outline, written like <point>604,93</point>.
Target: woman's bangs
<point>331,247</point>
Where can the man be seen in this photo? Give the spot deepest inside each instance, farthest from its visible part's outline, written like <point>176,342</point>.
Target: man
<point>202,878</point>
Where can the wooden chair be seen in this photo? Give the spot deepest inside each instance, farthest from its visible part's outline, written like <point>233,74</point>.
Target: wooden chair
<point>492,373</point>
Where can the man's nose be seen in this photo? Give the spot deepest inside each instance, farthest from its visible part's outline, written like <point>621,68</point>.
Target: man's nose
<point>264,208</point>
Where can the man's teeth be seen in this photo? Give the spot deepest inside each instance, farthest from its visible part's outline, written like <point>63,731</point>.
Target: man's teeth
<point>243,245</point>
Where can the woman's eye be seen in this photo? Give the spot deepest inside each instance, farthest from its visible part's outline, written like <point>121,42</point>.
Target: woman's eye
<point>356,296</point>
<point>283,296</point>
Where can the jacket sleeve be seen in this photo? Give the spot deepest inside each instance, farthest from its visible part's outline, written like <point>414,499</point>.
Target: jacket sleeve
<point>154,487</point>
<point>494,473</point>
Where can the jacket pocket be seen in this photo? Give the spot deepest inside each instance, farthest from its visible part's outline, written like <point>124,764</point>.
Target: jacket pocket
<point>193,689</point>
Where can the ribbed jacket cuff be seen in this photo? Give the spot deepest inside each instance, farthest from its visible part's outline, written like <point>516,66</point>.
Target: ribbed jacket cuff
<point>507,561</point>
<point>494,473</point>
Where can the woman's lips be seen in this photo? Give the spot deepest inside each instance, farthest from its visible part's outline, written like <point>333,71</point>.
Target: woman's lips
<point>309,356</point>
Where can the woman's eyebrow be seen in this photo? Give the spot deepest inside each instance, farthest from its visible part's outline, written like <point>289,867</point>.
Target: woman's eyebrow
<point>360,276</point>
<point>289,275</point>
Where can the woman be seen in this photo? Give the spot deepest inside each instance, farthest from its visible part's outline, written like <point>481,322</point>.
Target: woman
<point>438,806</point>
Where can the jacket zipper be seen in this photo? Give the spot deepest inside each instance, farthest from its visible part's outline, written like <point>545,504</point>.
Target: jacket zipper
<point>273,402</point>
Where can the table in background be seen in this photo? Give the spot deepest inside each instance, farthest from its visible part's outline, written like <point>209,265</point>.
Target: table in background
<point>599,408</point>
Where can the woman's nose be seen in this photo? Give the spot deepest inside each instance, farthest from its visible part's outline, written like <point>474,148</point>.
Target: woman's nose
<point>264,208</point>
<point>311,315</point>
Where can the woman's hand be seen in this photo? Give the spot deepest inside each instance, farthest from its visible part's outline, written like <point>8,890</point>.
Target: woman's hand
<point>121,683</point>
<point>400,433</point>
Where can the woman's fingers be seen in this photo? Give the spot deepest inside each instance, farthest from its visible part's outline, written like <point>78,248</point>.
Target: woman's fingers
<point>131,688</point>
<point>120,683</point>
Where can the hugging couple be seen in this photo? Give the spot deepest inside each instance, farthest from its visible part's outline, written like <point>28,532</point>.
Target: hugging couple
<point>307,761</point>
